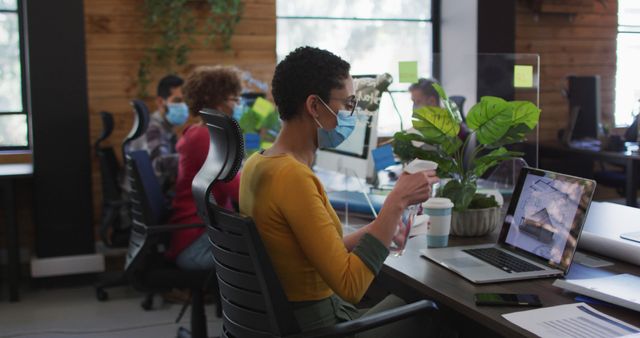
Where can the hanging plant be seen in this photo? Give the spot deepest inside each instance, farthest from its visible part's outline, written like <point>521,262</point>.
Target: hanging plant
<point>172,25</point>
<point>225,15</point>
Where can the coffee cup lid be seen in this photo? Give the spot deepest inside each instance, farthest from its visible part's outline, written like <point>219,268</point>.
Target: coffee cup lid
<point>438,203</point>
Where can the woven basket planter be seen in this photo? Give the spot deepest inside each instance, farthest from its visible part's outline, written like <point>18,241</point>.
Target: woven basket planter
<point>475,222</point>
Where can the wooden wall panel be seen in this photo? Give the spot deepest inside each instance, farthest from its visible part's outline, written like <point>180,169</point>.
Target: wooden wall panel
<point>583,43</point>
<point>115,43</point>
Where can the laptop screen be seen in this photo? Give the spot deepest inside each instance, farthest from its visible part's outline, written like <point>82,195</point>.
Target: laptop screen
<point>546,215</point>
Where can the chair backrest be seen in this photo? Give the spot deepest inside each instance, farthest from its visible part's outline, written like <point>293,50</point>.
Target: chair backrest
<point>223,162</point>
<point>253,302</point>
<point>148,207</point>
<point>107,128</point>
<point>109,167</point>
<point>141,118</point>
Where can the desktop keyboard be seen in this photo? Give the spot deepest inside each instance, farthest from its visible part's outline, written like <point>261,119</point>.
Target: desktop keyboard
<point>502,260</point>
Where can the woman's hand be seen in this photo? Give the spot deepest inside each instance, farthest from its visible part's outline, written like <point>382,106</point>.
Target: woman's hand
<point>414,188</point>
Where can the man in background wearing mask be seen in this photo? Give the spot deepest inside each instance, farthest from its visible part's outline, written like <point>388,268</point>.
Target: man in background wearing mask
<point>423,94</point>
<point>160,138</point>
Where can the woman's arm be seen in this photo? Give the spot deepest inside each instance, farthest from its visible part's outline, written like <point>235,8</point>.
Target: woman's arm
<point>410,189</point>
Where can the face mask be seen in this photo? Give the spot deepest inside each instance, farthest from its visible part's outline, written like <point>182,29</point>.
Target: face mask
<point>238,110</point>
<point>333,138</point>
<point>177,113</point>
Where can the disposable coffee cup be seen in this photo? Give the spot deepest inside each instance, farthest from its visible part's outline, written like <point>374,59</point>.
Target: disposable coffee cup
<point>439,211</point>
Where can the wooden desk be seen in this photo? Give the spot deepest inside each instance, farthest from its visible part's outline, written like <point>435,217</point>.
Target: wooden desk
<point>9,173</point>
<point>630,160</point>
<point>413,276</point>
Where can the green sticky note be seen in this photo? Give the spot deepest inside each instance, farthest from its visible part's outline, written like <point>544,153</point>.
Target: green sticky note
<point>408,71</point>
<point>523,76</point>
<point>262,107</point>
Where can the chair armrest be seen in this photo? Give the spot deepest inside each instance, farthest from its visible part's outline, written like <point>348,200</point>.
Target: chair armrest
<point>370,322</point>
<point>159,229</point>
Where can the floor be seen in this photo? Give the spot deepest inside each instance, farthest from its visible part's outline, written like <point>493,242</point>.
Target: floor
<point>75,312</point>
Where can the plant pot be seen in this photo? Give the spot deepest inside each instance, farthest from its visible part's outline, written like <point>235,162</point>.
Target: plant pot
<point>475,222</point>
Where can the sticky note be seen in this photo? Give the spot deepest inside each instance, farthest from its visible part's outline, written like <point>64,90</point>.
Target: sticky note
<point>262,107</point>
<point>383,157</point>
<point>251,141</point>
<point>408,71</point>
<point>523,76</point>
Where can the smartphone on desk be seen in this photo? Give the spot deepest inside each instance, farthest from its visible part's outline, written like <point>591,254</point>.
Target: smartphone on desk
<point>507,299</point>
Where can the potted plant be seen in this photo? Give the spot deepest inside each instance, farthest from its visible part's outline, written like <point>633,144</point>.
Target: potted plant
<point>494,123</point>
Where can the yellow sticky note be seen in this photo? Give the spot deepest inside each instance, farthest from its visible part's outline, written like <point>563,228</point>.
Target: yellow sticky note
<point>262,107</point>
<point>523,76</point>
<point>408,71</point>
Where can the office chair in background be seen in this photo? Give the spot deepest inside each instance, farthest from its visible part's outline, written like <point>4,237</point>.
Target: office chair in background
<point>112,232</point>
<point>253,301</point>
<point>116,218</point>
<point>146,267</point>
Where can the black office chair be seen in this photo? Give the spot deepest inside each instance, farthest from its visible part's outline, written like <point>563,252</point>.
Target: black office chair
<point>112,232</point>
<point>146,267</point>
<point>117,210</point>
<point>114,229</point>
<point>141,117</point>
<point>253,302</point>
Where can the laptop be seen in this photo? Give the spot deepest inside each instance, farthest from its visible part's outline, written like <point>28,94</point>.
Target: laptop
<point>539,234</point>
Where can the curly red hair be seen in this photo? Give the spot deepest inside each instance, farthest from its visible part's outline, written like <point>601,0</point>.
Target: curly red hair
<point>210,86</point>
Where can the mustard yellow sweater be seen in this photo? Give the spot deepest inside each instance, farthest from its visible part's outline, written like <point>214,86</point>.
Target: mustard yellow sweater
<point>302,233</point>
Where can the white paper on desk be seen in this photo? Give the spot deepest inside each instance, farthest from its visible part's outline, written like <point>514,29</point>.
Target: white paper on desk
<point>571,320</point>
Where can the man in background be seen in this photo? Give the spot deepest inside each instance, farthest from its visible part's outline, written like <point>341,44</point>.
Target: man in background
<point>160,138</point>
<point>423,94</point>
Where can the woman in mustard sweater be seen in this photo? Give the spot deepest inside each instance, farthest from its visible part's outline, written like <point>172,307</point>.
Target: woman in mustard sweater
<point>322,272</point>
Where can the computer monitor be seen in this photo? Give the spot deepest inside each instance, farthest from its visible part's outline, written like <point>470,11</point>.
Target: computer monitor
<point>353,156</point>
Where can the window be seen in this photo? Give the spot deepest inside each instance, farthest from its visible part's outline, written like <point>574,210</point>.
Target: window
<point>628,72</point>
<point>372,35</point>
<point>13,116</point>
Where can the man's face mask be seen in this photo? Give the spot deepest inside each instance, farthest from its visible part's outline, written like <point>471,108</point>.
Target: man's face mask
<point>346,123</point>
<point>177,113</point>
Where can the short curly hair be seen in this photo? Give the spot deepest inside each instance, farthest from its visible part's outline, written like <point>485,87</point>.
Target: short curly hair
<point>306,71</point>
<point>209,86</point>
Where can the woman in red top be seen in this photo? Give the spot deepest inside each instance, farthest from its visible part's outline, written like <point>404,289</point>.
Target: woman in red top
<point>216,87</point>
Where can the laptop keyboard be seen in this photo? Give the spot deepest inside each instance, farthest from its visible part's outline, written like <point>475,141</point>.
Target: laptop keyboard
<point>502,260</point>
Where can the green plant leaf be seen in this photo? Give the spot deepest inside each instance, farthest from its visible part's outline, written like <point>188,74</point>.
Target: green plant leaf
<point>434,123</point>
<point>459,193</point>
<point>525,112</point>
<point>484,163</point>
<point>513,135</point>
<point>490,118</point>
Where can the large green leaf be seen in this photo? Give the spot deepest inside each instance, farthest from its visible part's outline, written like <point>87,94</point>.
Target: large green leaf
<point>490,118</point>
<point>459,193</point>
<point>525,112</point>
<point>435,123</point>
<point>513,135</point>
<point>484,163</point>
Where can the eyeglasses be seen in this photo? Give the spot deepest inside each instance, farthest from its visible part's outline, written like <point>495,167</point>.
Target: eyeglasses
<point>350,103</point>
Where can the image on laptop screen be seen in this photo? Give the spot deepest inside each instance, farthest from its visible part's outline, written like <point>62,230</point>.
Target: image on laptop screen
<point>548,215</point>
